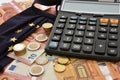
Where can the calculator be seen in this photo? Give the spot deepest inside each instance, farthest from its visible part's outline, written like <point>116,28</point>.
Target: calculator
<point>86,30</point>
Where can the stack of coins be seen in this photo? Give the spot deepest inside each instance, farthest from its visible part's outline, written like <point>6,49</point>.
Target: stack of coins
<point>61,62</point>
<point>19,49</point>
<point>36,70</point>
<point>47,27</point>
<point>59,68</point>
<point>33,46</point>
<point>41,37</point>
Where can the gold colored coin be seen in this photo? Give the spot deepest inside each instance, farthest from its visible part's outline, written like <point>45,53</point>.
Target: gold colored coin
<point>33,46</point>
<point>47,27</point>
<point>59,68</point>
<point>63,60</point>
<point>19,49</point>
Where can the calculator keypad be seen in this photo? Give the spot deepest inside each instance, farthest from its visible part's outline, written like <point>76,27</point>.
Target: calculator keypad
<point>87,37</point>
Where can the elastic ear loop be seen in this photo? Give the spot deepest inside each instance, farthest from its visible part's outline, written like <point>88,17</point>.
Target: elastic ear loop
<point>57,8</point>
<point>57,5</point>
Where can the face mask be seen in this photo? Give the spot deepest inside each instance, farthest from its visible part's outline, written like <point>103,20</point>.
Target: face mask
<point>48,2</point>
<point>20,21</point>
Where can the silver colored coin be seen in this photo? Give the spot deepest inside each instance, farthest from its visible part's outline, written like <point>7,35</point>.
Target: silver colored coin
<point>36,70</point>
<point>41,37</point>
<point>33,46</point>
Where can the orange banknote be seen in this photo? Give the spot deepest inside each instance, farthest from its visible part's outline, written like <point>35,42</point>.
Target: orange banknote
<point>9,10</point>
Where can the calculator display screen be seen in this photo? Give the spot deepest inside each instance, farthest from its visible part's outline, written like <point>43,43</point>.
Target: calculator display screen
<point>89,7</point>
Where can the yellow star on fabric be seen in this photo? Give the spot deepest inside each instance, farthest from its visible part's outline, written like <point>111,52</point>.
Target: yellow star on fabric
<point>37,26</point>
<point>10,48</point>
<point>13,39</point>
<point>19,30</point>
<point>31,24</point>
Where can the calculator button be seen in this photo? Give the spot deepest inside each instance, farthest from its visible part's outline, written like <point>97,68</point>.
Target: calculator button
<point>113,36</point>
<point>100,47</point>
<point>112,52</point>
<point>83,22</point>
<point>103,20</point>
<point>60,25</point>
<point>69,32</point>
<point>89,34</point>
<point>114,21</point>
<point>104,24</point>
<point>91,28</point>
<point>102,29</point>
<point>93,19</point>
<point>58,31</point>
<point>102,36</point>
<point>67,38</point>
<point>56,38</point>
<point>83,18</point>
<point>65,46</point>
<point>113,30</point>
<point>73,17</point>
<point>114,25</point>
<point>92,23</point>
<point>53,45</point>
<point>73,21</point>
<point>62,20</point>
<point>71,26</point>
<point>112,44</point>
<point>81,27</point>
<point>79,33</point>
<point>63,17</point>
<point>87,48</point>
<point>76,47</point>
<point>77,40</point>
<point>88,41</point>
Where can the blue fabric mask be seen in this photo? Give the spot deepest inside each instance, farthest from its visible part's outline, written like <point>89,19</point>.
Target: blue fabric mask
<point>20,21</point>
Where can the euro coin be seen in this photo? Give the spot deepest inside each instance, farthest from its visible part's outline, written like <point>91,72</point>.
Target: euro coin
<point>36,70</point>
<point>42,60</point>
<point>33,46</point>
<point>47,27</point>
<point>63,60</point>
<point>59,68</point>
<point>19,49</point>
<point>41,37</point>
